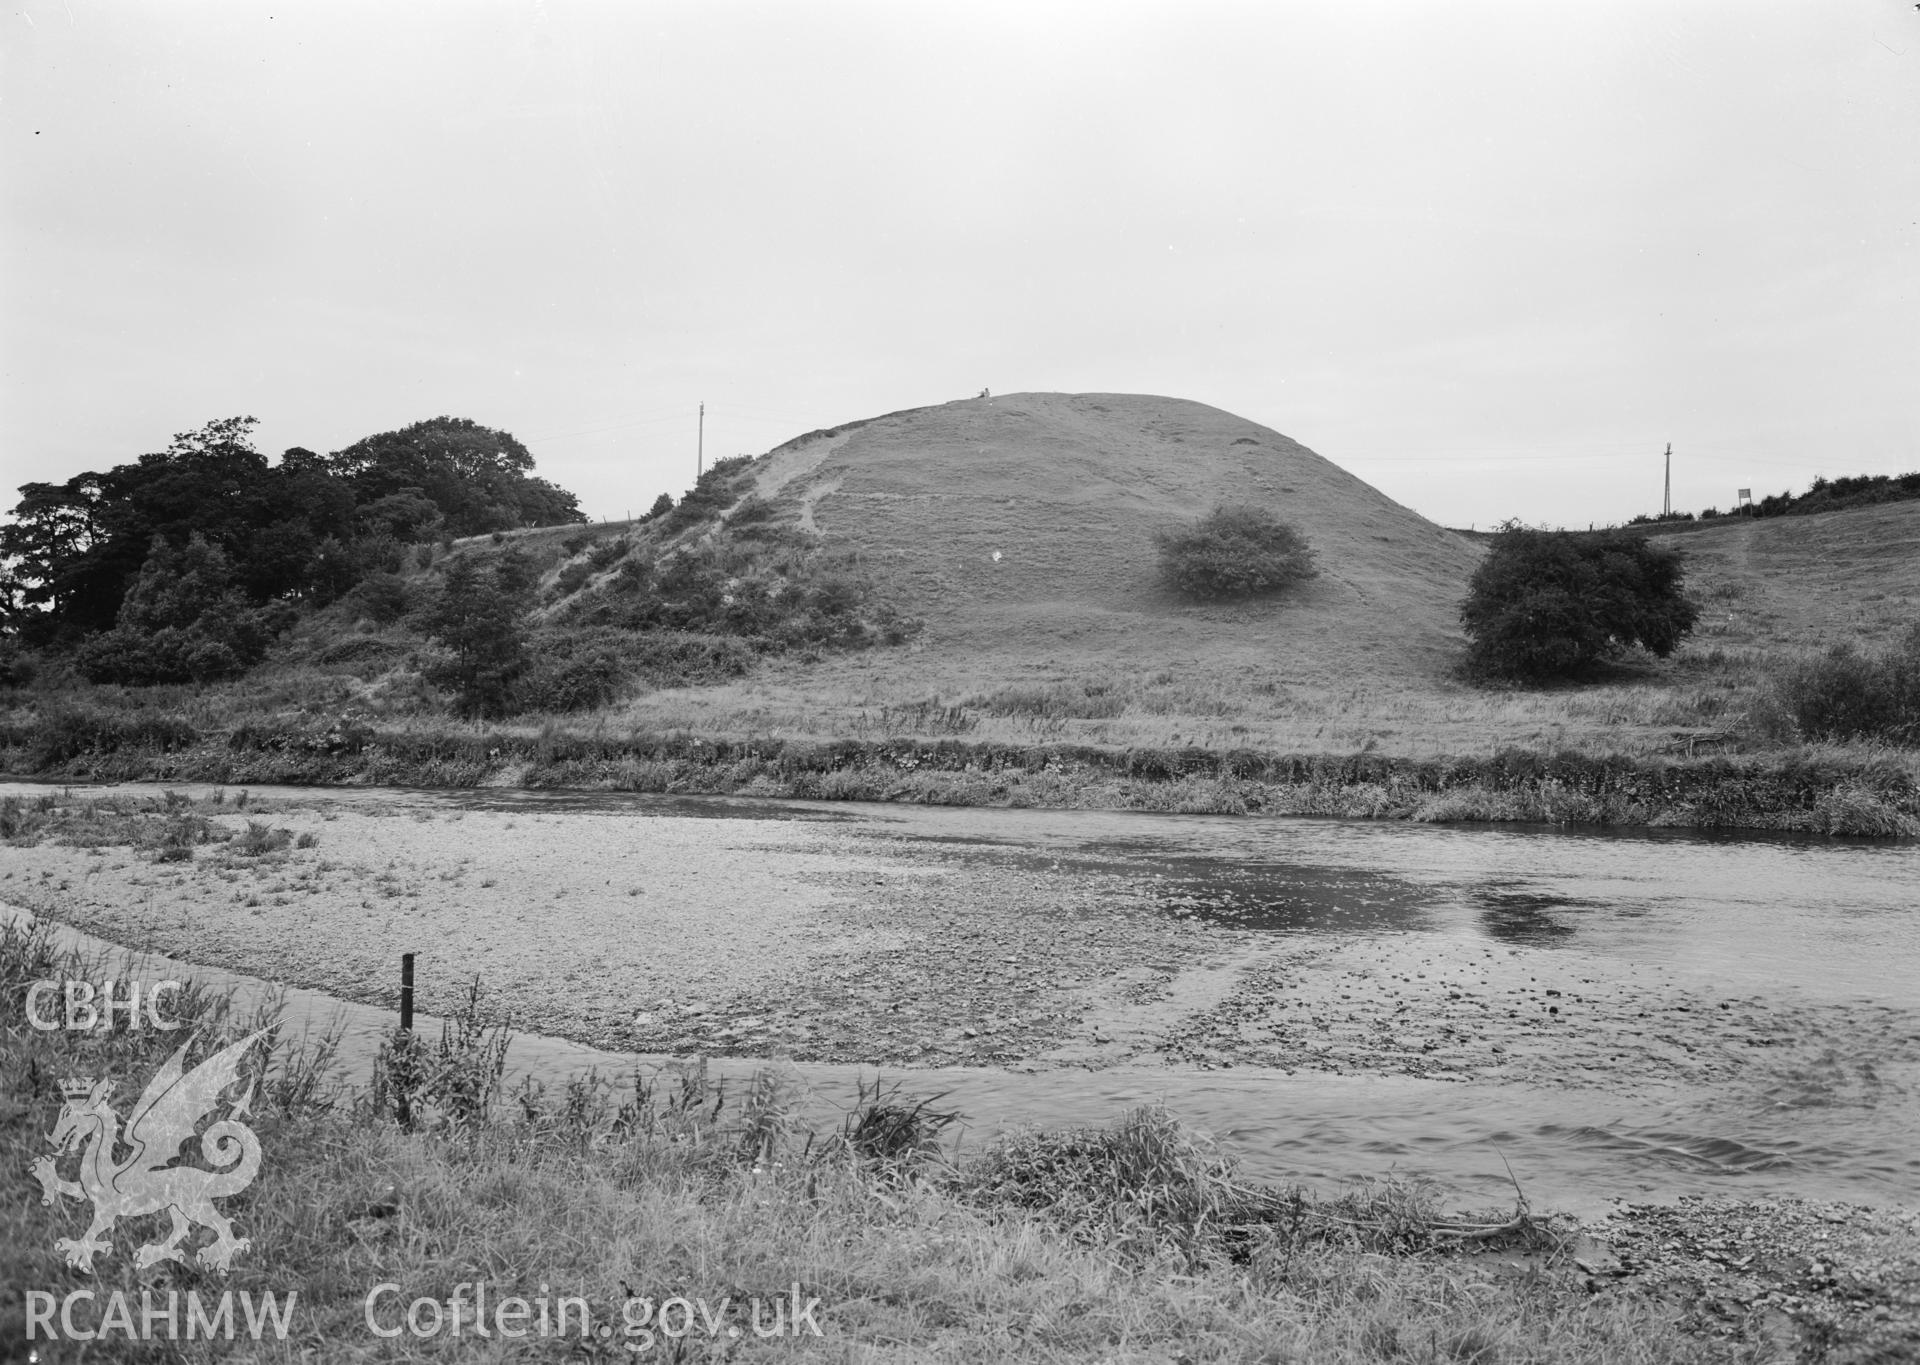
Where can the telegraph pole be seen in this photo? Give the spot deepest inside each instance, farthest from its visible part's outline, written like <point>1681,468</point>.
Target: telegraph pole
<point>700,450</point>
<point>1666,500</point>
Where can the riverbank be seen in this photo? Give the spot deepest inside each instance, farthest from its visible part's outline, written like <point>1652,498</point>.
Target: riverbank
<point>1812,790</point>
<point>1132,1242</point>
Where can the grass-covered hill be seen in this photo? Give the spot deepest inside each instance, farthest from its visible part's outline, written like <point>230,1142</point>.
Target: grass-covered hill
<point>1020,529</point>
<point>986,561</point>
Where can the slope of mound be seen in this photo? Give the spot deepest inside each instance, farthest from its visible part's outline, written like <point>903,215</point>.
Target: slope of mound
<point>1020,528</point>
<point>1803,582</point>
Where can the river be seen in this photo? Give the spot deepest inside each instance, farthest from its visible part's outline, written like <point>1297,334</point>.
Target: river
<point>1818,932</point>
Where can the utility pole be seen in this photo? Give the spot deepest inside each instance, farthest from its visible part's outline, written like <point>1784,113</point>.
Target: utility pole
<point>700,455</point>
<point>1666,500</point>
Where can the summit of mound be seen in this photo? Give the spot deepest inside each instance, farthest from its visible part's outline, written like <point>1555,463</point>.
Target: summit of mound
<point>1020,528</point>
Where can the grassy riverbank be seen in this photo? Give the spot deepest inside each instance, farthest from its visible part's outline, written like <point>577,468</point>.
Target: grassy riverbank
<point>1825,790</point>
<point>1134,1242</point>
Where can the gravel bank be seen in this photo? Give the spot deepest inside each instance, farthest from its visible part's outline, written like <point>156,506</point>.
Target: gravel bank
<point>780,930</point>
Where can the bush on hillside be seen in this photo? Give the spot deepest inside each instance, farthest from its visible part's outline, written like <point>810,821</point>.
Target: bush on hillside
<point>570,672</point>
<point>572,578</point>
<point>752,513</point>
<point>1847,695</point>
<point>690,659</point>
<point>381,598</point>
<point>608,553</point>
<point>1235,551</point>
<point>1552,604</point>
<point>710,495</point>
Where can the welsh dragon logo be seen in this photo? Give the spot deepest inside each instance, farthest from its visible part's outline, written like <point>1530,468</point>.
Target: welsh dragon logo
<point>145,1181</point>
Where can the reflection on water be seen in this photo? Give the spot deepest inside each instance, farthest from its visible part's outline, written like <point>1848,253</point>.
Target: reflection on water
<point>1299,898</point>
<point>1828,917</point>
<point>1290,897</point>
<point>1522,915</point>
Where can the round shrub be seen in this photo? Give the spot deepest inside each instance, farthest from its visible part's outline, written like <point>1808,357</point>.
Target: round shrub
<point>1235,551</point>
<point>1552,604</point>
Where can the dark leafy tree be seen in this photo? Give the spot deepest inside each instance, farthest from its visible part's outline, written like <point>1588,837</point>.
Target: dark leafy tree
<point>1552,604</point>
<point>661,506</point>
<point>1235,551</point>
<point>478,478</point>
<point>547,504</point>
<point>52,552</point>
<point>404,515</point>
<point>74,549</point>
<point>476,616</point>
<point>185,619</point>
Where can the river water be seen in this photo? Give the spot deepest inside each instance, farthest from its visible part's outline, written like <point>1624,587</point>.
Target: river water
<point>1826,927</point>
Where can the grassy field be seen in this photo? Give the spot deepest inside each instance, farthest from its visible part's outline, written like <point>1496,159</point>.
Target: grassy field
<point>1131,1243</point>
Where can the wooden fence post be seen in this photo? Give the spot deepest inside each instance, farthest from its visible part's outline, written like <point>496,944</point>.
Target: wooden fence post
<point>403,1083</point>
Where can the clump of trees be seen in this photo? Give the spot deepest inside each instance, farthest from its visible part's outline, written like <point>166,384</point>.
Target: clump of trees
<point>1553,604</point>
<point>181,565</point>
<point>185,619</point>
<point>1235,551</point>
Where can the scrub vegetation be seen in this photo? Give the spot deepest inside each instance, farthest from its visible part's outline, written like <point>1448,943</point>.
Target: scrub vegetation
<point>1235,551</point>
<point>1850,694</point>
<point>1822,495</point>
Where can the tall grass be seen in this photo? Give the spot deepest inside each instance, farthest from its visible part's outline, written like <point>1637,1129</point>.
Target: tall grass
<point>1823,791</point>
<point>1846,694</point>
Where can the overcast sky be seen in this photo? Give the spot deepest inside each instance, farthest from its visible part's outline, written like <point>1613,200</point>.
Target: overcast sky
<point>1490,257</point>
